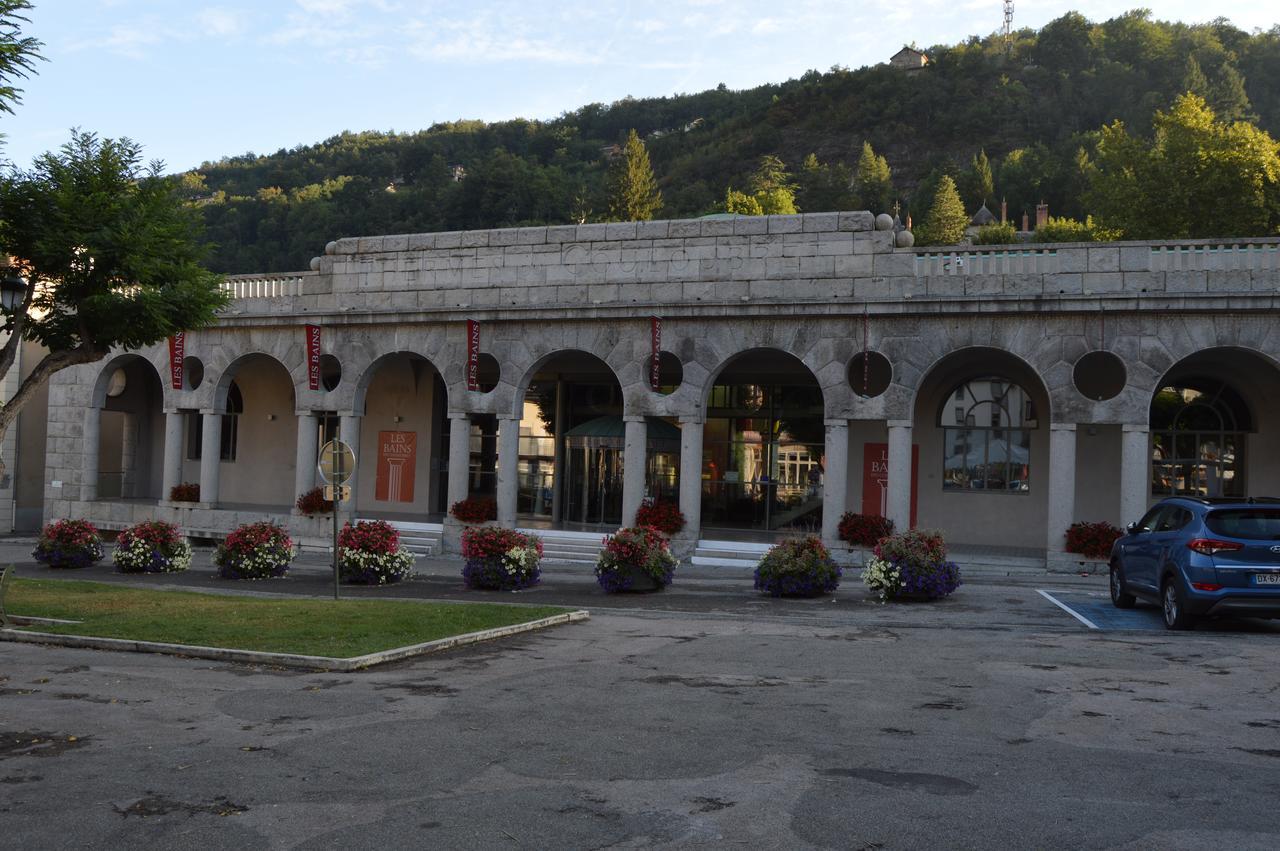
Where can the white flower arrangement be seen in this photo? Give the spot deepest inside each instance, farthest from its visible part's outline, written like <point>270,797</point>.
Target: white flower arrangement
<point>141,557</point>
<point>377,568</point>
<point>882,577</point>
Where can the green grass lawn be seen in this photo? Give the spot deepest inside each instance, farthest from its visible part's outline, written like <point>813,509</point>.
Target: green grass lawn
<point>312,627</point>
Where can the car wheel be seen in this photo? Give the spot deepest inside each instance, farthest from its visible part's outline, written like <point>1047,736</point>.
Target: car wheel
<point>1174,605</point>
<point>1120,598</point>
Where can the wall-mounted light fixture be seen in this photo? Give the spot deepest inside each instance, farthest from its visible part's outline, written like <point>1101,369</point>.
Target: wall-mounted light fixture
<point>270,417</point>
<point>397,419</point>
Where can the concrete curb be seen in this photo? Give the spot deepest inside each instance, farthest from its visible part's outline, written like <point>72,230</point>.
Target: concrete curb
<point>290,660</point>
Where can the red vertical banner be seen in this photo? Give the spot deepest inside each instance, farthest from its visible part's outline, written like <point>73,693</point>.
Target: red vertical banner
<point>655,352</point>
<point>177,352</point>
<point>397,461</point>
<point>473,355</point>
<point>875,480</point>
<point>313,356</point>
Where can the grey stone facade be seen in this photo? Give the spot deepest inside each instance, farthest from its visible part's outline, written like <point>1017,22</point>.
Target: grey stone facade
<point>806,285</point>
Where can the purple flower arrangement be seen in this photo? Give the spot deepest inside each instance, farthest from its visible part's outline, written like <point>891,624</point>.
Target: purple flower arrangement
<point>68,543</point>
<point>911,565</point>
<point>801,567</point>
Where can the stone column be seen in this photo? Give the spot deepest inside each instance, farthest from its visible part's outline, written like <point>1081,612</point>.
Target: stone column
<point>560,474</point>
<point>835,478</point>
<point>459,458</point>
<point>128,455</point>
<point>349,432</point>
<point>1061,484</point>
<point>89,453</point>
<point>899,484</point>
<point>304,471</point>
<point>1135,473</point>
<point>691,477</point>
<point>508,461</point>
<point>172,474</point>
<point>210,456</point>
<point>634,464</point>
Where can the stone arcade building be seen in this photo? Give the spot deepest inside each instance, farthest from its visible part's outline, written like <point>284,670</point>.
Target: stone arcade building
<point>807,367</point>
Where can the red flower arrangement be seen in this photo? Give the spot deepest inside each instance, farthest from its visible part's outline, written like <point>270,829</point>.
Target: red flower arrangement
<point>478,509</point>
<point>370,536</point>
<point>495,542</point>
<point>661,515</point>
<point>185,492</point>
<point>1092,540</point>
<point>313,502</point>
<point>864,530</point>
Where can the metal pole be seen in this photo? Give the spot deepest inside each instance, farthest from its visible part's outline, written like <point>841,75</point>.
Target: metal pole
<point>337,501</point>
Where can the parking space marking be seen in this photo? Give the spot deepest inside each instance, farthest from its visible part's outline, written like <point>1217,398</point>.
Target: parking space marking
<point>1067,609</point>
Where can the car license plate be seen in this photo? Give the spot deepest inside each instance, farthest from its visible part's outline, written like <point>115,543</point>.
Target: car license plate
<point>1266,579</point>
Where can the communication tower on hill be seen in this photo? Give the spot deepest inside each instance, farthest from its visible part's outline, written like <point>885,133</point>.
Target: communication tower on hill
<point>1008,27</point>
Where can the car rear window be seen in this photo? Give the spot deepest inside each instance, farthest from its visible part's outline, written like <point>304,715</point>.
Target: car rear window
<point>1256,523</point>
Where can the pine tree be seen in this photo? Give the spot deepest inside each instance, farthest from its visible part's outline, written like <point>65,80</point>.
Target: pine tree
<point>872,181</point>
<point>1228,97</point>
<point>1194,80</point>
<point>980,185</point>
<point>633,190</point>
<point>947,220</point>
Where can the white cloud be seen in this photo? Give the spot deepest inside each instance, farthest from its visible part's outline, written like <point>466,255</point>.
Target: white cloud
<point>218,21</point>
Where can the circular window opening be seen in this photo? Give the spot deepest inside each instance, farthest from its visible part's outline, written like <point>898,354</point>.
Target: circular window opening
<point>487,372</point>
<point>330,373</point>
<point>869,374</point>
<point>119,380</point>
<point>192,373</point>
<point>1099,376</point>
<point>669,376</point>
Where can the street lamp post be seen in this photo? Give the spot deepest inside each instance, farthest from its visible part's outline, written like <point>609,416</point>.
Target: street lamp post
<point>12,289</point>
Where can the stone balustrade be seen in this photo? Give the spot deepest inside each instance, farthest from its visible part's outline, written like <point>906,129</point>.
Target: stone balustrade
<point>269,285</point>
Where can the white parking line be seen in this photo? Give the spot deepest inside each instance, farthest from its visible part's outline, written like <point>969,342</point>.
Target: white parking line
<point>1067,609</point>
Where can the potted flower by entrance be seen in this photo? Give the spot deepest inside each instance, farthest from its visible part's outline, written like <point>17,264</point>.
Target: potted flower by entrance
<point>911,565</point>
<point>864,530</point>
<point>68,543</point>
<point>500,559</point>
<point>662,515</point>
<point>475,509</point>
<point>152,546</point>
<point>800,567</point>
<point>369,553</point>
<point>259,550</point>
<point>635,558</point>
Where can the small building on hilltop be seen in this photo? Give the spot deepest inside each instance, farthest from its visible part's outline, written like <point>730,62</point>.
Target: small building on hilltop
<point>909,59</point>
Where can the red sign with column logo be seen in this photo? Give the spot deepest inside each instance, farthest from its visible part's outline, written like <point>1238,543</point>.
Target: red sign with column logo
<point>397,460</point>
<point>313,356</point>
<point>875,479</point>
<point>473,355</point>
<point>655,348</point>
<point>177,352</point>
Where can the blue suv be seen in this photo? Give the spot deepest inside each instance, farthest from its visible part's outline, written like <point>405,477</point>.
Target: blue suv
<point>1198,557</point>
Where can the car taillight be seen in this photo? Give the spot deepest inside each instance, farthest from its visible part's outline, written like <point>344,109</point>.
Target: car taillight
<point>1211,546</point>
<point>1206,586</point>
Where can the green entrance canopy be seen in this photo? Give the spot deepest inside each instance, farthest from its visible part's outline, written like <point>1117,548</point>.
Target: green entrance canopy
<point>613,426</point>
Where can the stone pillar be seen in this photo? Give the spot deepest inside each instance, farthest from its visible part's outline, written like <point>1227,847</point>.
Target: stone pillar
<point>634,464</point>
<point>691,478</point>
<point>128,455</point>
<point>1061,484</point>
<point>459,458</point>
<point>835,478</point>
<point>210,456</point>
<point>89,453</point>
<point>304,471</point>
<point>899,484</point>
<point>1135,473</point>
<point>349,432</point>
<point>560,474</point>
<point>508,461</point>
<point>172,474</point>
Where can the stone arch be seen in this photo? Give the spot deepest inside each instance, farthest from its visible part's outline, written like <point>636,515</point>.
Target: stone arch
<point>359,352</point>
<point>521,386</point>
<point>950,369</point>
<point>360,385</point>
<point>123,361</point>
<point>228,373</point>
<point>130,430</point>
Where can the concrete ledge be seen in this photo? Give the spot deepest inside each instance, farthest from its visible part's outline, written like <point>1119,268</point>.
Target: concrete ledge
<point>289,660</point>
<point>1074,563</point>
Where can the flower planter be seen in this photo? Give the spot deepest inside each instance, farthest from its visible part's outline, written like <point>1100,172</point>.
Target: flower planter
<point>370,554</point>
<point>911,566</point>
<point>500,559</point>
<point>635,559</point>
<point>798,568</point>
<point>255,551</point>
<point>151,547</point>
<point>68,544</point>
<point>634,580</point>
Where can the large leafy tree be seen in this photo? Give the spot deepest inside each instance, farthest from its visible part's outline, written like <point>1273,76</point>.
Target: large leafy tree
<point>18,53</point>
<point>1196,177</point>
<point>109,253</point>
<point>633,190</point>
<point>770,191</point>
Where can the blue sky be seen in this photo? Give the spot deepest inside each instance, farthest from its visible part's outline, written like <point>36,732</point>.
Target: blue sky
<point>195,81</point>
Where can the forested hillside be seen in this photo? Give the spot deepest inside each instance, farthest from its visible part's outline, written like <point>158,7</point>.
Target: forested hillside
<point>1035,109</point>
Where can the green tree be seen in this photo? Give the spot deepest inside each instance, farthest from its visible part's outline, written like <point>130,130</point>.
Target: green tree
<point>979,184</point>
<point>633,191</point>
<point>18,53</point>
<point>822,187</point>
<point>872,181</point>
<point>772,192</point>
<point>1193,78</point>
<point>741,203</point>
<point>110,256</point>
<point>1228,97</point>
<point>1197,177</point>
<point>947,220</point>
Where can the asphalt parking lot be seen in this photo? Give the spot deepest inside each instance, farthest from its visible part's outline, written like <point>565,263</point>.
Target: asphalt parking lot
<point>703,716</point>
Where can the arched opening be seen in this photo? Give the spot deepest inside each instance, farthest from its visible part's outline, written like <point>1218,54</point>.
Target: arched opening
<point>763,445</point>
<point>259,433</point>
<point>1207,418</point>
<point>981,451</point>
<point>131,431</point>
<point>570,468</point>
<point>402,459</point>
